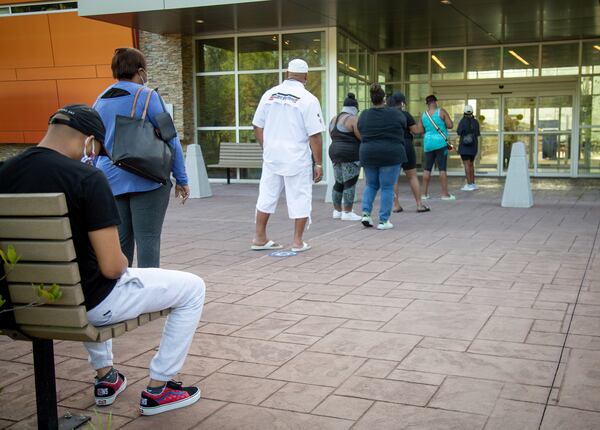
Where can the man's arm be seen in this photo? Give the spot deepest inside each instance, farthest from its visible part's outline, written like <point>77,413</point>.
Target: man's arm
<point>316,146</point>
<point>259,133</point>
<point>107,248</point>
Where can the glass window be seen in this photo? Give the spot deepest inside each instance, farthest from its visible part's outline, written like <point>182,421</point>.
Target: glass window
<point>353,50</point>
<point>447,65</point>
<point>415,97</point>
<point>251,88</point>
<point>316,85</point>
<point>509,140</point>
<point>560,59</point>
<point>590,101</point>
<point>4,10</point>
<point>591,57</point>
<point>483,63</point>
<point>487,156</point>
<point>519,114</point>
<point>487,112</point>
<point>209,142</point>
<point>589,151</point>
<point>554,152</point>
<point>555,113</point>
<point>258,53</point>
<point>215,55</point>
<point>216,100</point>
<point>342,55</point>
<point>389,67</point>
<point>521,61</point>
<point>416,66</point>
<point>370,62</point>
<point>308,46</point>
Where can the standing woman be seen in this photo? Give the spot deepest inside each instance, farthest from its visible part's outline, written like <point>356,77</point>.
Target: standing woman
<point>142,203</point>
<point>398,101</point>
<point>345,142</point>
<point>381,154</point>
<point>436,123</point>
<point>468,131</point>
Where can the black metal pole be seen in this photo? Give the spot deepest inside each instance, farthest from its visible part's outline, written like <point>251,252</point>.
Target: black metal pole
<point>45,384</point>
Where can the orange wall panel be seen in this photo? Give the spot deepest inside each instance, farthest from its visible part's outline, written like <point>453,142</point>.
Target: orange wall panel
<point>41,73</point>
<point>11,137</point>
<point>8,75</point>
<point>95,41</point>
<point>104,71</point>
<point>33,136</point>
<point>81,90</point>
<point>26,105</point>
<point>25,42</point>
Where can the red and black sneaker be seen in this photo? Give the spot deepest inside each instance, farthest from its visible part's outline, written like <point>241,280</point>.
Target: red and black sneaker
<point>106,391</point>
<point>173,396</point>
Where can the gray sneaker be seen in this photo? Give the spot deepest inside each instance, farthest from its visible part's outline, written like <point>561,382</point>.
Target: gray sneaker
<point>385,225</point>
<point>366,220</point>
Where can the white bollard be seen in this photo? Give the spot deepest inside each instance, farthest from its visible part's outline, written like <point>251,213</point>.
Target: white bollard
<point>196,171</point>
<point>517,188</point>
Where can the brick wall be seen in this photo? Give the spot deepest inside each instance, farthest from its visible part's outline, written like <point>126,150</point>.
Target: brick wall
<point>8,150</point>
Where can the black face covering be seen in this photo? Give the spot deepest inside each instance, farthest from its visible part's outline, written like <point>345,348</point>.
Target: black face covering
<point>82,118</point>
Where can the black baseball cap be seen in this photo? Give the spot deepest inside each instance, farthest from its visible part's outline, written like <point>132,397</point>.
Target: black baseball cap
<point>83,119</point>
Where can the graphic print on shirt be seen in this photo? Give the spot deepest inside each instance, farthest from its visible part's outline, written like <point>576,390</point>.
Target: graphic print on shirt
<point>284,97</point>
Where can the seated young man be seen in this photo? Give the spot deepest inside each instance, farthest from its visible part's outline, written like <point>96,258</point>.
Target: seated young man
<point>113,293</point>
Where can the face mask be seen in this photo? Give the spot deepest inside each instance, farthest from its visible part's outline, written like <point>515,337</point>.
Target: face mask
<point>88,159</point>
<point>350,109</point>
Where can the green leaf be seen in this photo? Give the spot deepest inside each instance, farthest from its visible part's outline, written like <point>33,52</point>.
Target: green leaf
<point>2,301</point>
<point>49,294</point>
<point>3,256</point>
<point>12,256</point>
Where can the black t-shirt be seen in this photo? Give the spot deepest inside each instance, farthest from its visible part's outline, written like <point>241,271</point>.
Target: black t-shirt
<point>89,199</point>
<point>410,121</point>
<point>382,132</point>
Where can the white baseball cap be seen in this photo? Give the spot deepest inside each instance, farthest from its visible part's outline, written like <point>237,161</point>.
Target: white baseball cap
<point>297,66</point>
<point>468,109</point>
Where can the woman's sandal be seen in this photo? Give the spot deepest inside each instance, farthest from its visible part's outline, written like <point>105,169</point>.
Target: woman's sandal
<point>423,209</point>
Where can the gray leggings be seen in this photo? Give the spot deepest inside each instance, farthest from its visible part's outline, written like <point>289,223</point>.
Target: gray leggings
<point>142,216</point>
<point>346,176</point>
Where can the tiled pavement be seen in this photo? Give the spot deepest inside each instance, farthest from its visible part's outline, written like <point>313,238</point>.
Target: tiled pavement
<point>455,319</point>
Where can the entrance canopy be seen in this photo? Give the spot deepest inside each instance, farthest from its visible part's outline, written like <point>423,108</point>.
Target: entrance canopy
<point>379,24</point>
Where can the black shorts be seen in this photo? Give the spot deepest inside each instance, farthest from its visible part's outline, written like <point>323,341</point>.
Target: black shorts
<point>439,157</point>
<point>467,157</point>
<point>411,155</point>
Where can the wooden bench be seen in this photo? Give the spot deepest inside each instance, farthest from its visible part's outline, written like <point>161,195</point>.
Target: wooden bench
<point>238,156</point>
<point>38,227</point>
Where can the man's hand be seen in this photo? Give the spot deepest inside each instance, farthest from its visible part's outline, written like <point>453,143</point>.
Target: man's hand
<point>317,173</point>
<point>182,191</point>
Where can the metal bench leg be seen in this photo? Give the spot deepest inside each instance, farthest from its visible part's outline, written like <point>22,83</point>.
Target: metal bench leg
<point>45,390</point>
<point>228,176</point>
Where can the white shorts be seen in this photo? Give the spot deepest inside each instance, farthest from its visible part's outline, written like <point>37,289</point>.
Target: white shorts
<point>298,192</point>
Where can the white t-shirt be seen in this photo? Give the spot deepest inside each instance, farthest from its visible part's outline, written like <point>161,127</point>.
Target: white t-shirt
<point>289,114</point>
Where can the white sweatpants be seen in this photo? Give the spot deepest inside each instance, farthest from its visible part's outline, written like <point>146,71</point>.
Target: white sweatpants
<point>141,291</point>
<point>298,192</point>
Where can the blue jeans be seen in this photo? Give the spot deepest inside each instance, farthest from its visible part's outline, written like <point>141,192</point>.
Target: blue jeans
<point>384,178</point>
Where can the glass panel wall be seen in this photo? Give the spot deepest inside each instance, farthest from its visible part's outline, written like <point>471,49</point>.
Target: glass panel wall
<point>354,73</point>
<point>560,59</point>
<point>483,63</point>
<point>589,114</point>
<point>232,73</point>
<point>521,61</point>
<point>447,64</point>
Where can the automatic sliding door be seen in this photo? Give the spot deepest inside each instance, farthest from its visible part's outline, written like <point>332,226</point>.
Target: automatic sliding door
<point>487,111</point>
<point>555,122</point>
<point>519,126</point>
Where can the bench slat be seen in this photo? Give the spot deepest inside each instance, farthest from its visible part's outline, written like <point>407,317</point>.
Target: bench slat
<point>42,250</point>
<point>45,273</point>
<point>52,316</point>
<point>72,295</point>
<point>33,204</point>
<point>88,333</point>
<point>35,228</point>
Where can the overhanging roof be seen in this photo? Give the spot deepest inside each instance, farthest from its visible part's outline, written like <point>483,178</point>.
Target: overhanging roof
<point>381,24</point>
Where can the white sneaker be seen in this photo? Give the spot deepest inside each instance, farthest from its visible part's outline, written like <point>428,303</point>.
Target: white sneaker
<point>337,214</point>
<point>425,197</point>
<point>350,216</point>
<point>385,225</point>
<point>466,187</point>
<point>367,221</point>
<point>449,197</point>
<point>474,187</point>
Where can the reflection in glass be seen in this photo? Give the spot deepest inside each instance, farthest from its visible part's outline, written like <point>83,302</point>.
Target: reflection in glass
<point>416,66</point>
<point>251,88</point>
<point>554,152</point>
<point>590,101</point>
<point>308,46</point>
<point>455,108</point>
<point>521,61</point>
<point>258,53</point>
<point>509,139</point>
<point>591,57</point>
<point>447,64</point>
<point>342,54</point>
<point>209,142</point>
<point>561,59</point>
<point>415,96</point>
<point>216,100</point>
<point>316,85</point>
<point>215,55</point>
<point>487,112</point>
<point>555,113</point>
<point>487,154</point>
<point>245,137</point>
<point>353,51</point>
<point>589,151</point>
<point>519,114</point>
<point>483,63</point>
<point>389,67</point>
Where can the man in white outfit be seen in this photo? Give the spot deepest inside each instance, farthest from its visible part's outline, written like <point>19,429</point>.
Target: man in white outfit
<point>288,125</point>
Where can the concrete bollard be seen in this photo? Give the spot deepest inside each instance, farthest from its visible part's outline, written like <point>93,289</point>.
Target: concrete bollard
<point>196,171</point>
<point>517,187</point>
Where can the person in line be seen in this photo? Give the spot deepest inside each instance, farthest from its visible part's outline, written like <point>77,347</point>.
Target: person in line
<point>381,154</point>
<point>142,203</point>
<point>112,292</point>
<point>288,125</point>
<point>435,122</point>
<point>344,154</point>
<point>398,101</point>
<point>468,132</point>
